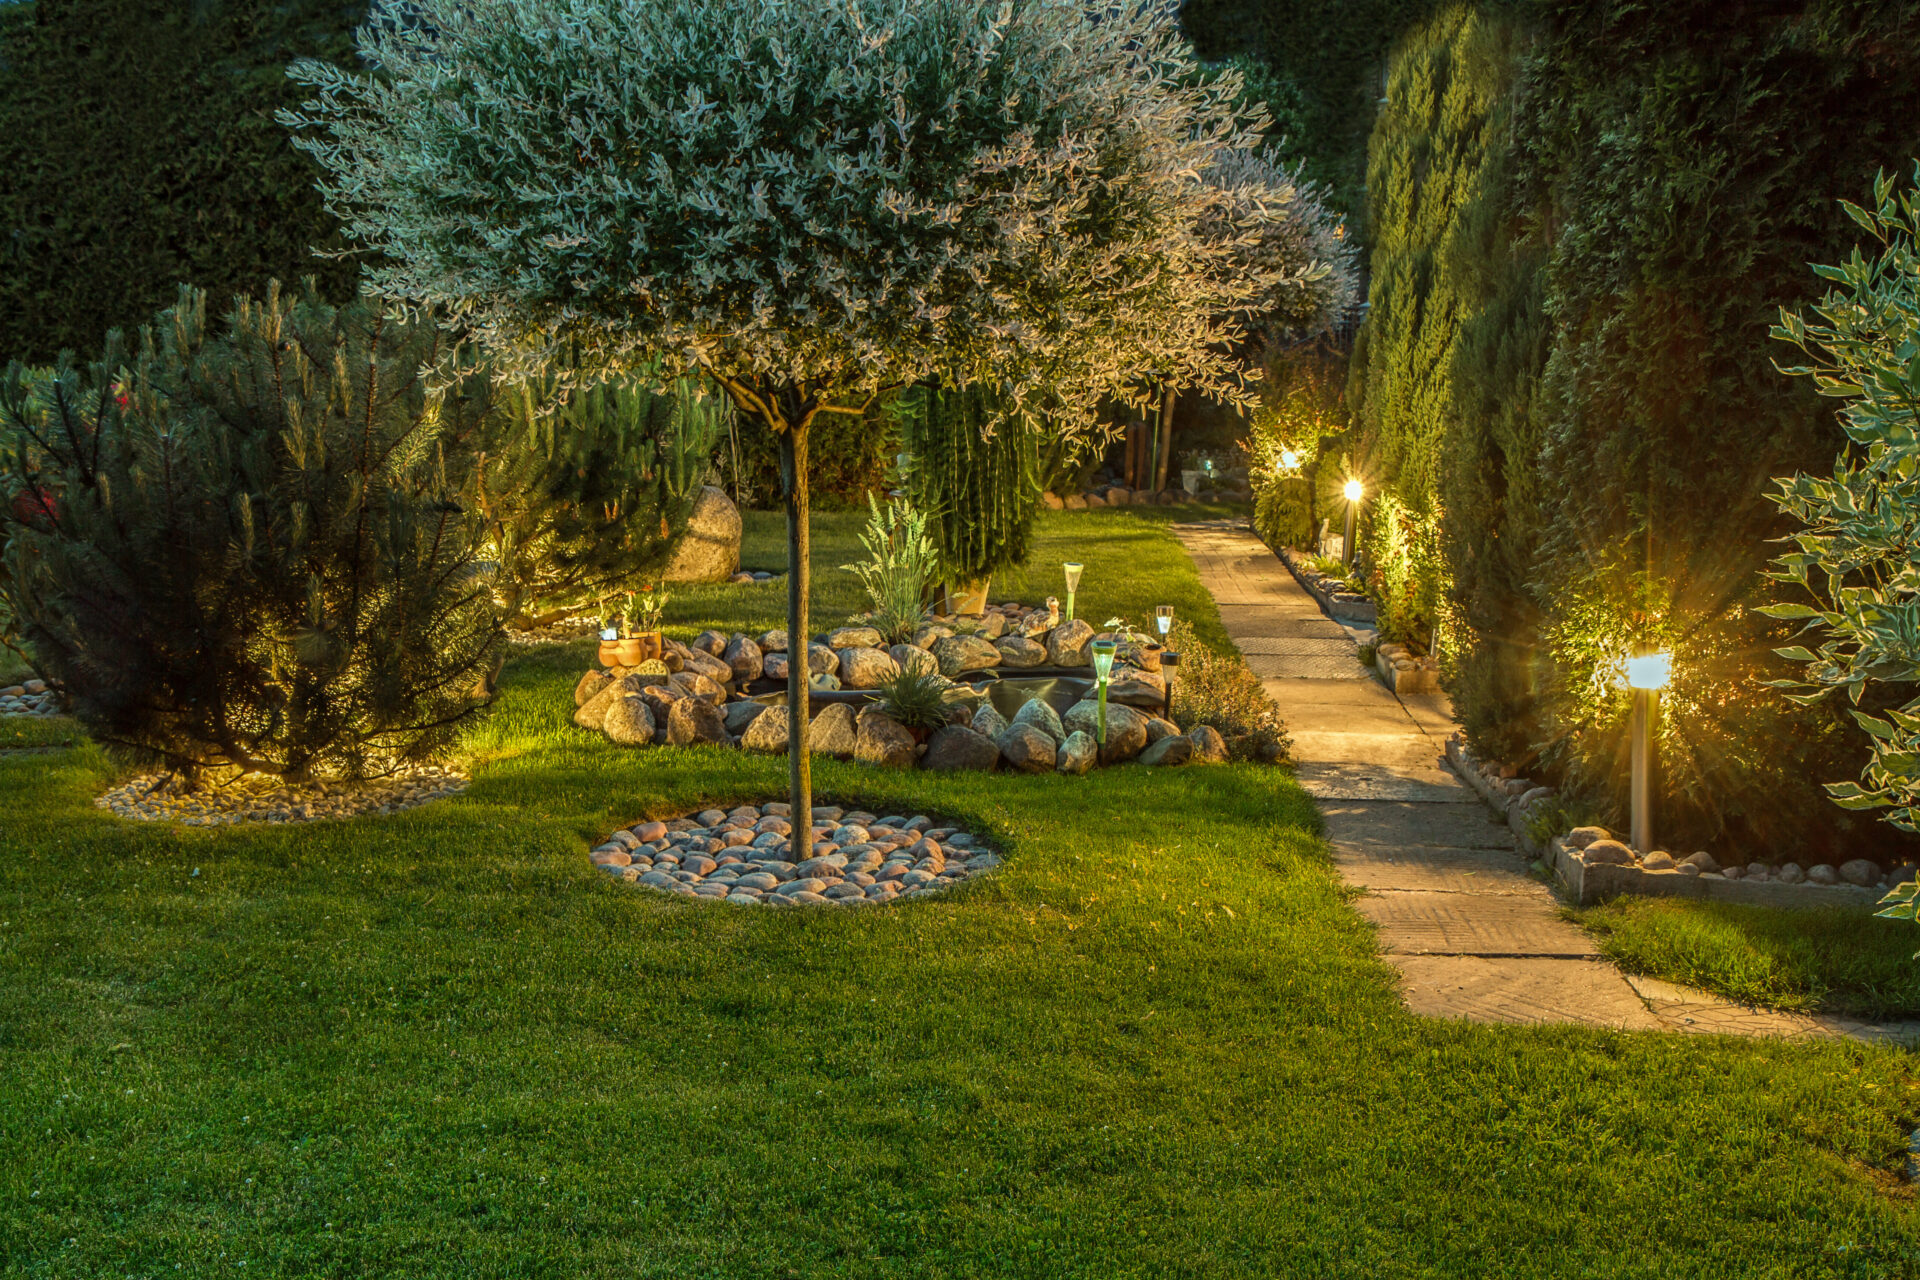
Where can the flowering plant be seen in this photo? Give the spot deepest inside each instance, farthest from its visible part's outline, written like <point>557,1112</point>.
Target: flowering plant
<point>645,608</point>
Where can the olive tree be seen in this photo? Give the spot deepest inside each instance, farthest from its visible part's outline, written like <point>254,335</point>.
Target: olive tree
<point>812,202</point>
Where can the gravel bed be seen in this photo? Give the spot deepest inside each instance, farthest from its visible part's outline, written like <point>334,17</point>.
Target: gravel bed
<point>33,698</point>
<point>745,857</point>
<point>260,798</point>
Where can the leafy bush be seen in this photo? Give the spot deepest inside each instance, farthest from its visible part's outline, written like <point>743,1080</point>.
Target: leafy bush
<point>1301,407</point>
<point>980,490</point>
<point>254,555</point>
<point>584,490</point>
<point>1219,690</point>
<point>901,561</point>
<point>916,700</point>
<point>140,150</point>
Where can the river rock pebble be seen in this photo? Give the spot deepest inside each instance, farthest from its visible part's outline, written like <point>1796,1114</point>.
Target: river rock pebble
<point>264,798</point>
<point>850,858</point>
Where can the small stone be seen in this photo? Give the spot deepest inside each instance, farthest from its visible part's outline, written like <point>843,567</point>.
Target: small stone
<point>1861,872</point>
<point>658,880</point>
<point>1027,749</point>
<point>757,880</point>
<point>767,732</point>
<point>1160,727</point>
<point>744,658</point>
<point>927,633</point>
<point>741,714</point>
<point>1658,860</point>
<point>1209,747</point>
<point>1581,837</point>
<point>866,668</point>
<point>695,720</point>
<point>822,661</point>
<point>833,731</point>
<point>590,684</point>
<point>1175,750</point>
<point>957,748</point>
<point>648,832</point>
<point>1609,851</point>
<point>914,878</point>
<point>855,638</point>
<point>809,884</point>
<point>1077,753</point>
<point>1733,873</point>
<point>774,666</point>
<point>988,722</point>
<point>1704,861</point>
<point>1790,873</point>
<point>1823,873</point>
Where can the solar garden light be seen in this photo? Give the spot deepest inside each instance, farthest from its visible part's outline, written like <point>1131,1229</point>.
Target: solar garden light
<point>1169,666</point>
<point>1647,675</point>
<point>1353,492</point>
<point>1103,668</point>
<point>1163,619</point>
<point>1073,569</point>
<point>1289,460</point>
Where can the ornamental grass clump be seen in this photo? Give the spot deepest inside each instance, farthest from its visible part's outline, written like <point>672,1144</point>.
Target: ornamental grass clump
<point>901,560</point>
<point>254,557</point>
<point>916,699</point>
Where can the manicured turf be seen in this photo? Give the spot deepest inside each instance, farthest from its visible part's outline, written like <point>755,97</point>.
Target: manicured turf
<point>1839,962</point>
<point>1157,1042</point>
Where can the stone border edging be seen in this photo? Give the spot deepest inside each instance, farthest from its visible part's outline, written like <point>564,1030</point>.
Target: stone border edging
<point>1358,612</point>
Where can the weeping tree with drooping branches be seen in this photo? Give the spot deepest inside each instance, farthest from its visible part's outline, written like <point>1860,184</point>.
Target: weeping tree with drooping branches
<point>814,204</point>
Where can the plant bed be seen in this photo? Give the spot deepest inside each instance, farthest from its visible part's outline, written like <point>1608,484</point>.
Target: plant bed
<point>744,856</point>
<point>1595,866</point>
<point>264,798</point>
<point>1335,596</point>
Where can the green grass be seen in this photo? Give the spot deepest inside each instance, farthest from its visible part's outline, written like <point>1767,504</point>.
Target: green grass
<point>1803,961</point>
<point>1157,1042</point>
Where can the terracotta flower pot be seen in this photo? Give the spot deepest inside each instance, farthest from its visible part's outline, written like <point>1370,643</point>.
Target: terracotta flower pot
<point>610,653</point>
<point>645,647</point>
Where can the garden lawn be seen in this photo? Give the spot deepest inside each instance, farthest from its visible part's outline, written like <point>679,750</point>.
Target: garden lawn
<point>1804,961</point>
<point>1156,1042</point>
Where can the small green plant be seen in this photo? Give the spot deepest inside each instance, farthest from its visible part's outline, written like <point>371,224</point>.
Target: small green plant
<point>900,560</point>
<point>1219,690</point>
<point>1331,566</point>
<point>916,699</point>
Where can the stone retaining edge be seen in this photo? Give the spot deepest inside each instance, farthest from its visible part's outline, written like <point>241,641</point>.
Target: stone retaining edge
<point>1361,614</point>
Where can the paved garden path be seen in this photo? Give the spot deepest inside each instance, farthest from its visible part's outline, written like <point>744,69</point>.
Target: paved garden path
<point>1474,934</point>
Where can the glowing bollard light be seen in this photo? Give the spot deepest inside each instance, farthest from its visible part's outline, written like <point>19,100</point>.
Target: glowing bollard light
<point>1353,492</point>
<point>1102,668</point>
<point>1073,584</point>
<point>1647,675</point>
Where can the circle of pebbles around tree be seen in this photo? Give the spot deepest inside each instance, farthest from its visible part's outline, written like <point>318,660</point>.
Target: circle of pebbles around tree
<point>745,856</point>
<point>263,798</point>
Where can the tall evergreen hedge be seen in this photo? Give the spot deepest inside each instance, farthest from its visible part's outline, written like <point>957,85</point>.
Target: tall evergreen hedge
<point>140,152</point>
<point>1586,214</point>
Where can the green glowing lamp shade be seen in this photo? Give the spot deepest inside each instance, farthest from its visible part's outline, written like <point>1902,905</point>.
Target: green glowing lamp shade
<point>1103,658</point>
<point>1073,569</point>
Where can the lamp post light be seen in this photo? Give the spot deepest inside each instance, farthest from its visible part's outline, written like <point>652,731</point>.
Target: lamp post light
<point>1647,675</point>
<point>1289,460</point>
<point>1073,569</point>
<point>1353,492</point>
<point>1102,668</point>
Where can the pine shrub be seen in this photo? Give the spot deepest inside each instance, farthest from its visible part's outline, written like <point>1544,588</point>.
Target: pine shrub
<point>974,468</point>
<point>252,554</point>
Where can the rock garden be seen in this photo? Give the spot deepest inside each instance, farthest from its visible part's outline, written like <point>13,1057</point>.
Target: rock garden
<point>1015,687</point>
<point>30,698</point>
<point>746,856</point>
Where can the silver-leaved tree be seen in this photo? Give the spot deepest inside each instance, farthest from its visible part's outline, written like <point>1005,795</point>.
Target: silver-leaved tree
<point>811,201</point>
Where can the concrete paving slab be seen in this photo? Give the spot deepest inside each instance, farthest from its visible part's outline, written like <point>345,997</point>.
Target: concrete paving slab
<point>1299,619</point>
<point>1346,782</point>
<point>1691,1010</point>
<point>1323,666</point>
<point>1393,753</point>
<point>1433,712</point>
<point>1437,870</point>
<point>1396,824</point>
<point>1456,924</point>
<point>1533,991</point>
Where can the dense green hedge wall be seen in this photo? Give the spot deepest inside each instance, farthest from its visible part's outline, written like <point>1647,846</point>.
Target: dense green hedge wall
<point>139,151</point>
<point>1573,278</point>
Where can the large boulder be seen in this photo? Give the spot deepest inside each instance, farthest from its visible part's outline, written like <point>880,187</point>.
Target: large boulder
<point>964,653</point>
<point>832,731</point>
<point>1126,728</point>
<point>913,660</point>
<point>1027,749</point>
<point>695,720</point>
<point>767,732</point>
<point>957,748</point>
<point>927,633</point>
<point>660,698</point>
<point>709,551</point>
<point>1137,689</point>
<point>1077,753</point>
<point>987,722</point>
<point>1067,644</point>
<point>699,686</point>
<point>744,658</point>
<point>866,668</point>
<point>741,714</point>
<point>629,721</point>
<point>1039,715</point>
<point>1209,746</point>
<point>1018,651</point>
<point>1171,750</point>
<point>822,661</point>
<point>710,642</point>
<point>592,714</point>
<point>879,739</point>
<point>774,665</point>
<point>591,683</point>
<point>772,641</point>
<point>705,664</point>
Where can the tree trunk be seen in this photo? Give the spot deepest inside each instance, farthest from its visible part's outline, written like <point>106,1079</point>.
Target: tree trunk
<point>793,475</point>
<point>1165,451</point>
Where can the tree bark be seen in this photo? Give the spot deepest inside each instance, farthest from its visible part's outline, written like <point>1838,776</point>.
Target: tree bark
<point>1165,450</point>
<point>793,475</point>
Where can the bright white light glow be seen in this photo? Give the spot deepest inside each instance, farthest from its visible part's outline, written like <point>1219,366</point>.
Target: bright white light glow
<point>1353,491</point>
<point>1650,671</point>
<point>1289,459</point>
